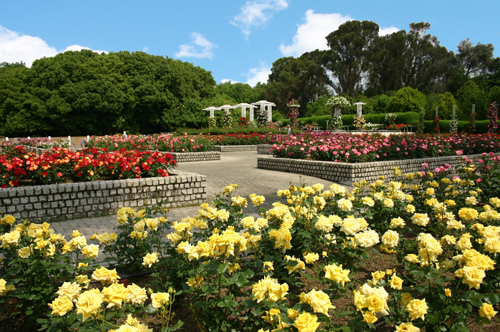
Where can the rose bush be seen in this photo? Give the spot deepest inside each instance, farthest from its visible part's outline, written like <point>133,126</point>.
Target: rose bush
<point>285,267</point>
<point>60,165</point>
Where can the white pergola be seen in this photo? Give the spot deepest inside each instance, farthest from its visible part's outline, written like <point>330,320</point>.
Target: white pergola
<point>244,107</point>
<point>211,109</point>
<point>359,108</point>
<point>227,108</point>
<point>266,106</point>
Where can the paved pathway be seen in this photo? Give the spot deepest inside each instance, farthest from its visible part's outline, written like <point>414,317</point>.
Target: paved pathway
<point>233,168</point>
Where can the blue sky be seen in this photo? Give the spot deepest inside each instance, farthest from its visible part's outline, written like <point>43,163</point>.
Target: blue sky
<point>235,40</point>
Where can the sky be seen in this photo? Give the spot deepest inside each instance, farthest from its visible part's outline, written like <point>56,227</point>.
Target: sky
<point>234,40</point>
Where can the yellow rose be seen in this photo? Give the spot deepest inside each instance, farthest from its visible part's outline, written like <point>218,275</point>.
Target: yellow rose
<point>61,306</point>
<point>89,303</point>
<point>319,301</point>
<point>90,251</point>
<point>292,313</point>
<point>115,295</point>
<point>375,303</point>
<point>24,252</point>
<point>369,317</point>
<point>447,292</point>
<point>417,309</point>
<point>150,259</point>
<point>11,238</point>
<point>396,282</point>
<point>390,238</point>
<point>420,219</point>
<point>159,299</point>
<point>487,311</point>
<point>405,299</point>
<point>70,290</point>
<point>136,294</point>
<point>471,276</point>
<point>397,223</point>
<point>407,327</point>
<point>8,220</point>
<point>311,258</point>
<point>105,276</point>
<point>83,280</point>
<point>306,322</point>
<point>337,274</point>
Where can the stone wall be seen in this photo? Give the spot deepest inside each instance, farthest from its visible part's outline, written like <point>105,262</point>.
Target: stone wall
<point>184,157</point>
<point>263,149</point>
<point>347,173</point>
<point>235,148</point>
<point>90,199</point>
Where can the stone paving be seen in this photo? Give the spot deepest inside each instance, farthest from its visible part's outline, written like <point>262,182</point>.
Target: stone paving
<point>233,168</point>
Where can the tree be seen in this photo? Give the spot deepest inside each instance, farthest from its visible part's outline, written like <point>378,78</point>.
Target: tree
<point>445,103</point>
<point>241,93</point>
<point>468,95</point>
<point>475,60</point>
<point>300,78</point>
<point>412,59</point>
<point>347,57</point>
<point>406,99</point>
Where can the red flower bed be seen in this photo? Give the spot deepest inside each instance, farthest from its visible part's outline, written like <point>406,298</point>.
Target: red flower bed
<point>63,165</point>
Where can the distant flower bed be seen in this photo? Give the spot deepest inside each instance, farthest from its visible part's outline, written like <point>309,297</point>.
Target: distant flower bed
<point>43,143</point>
<point>242,139</point>
<point>62,165</point>
<point>176,143</point>
<point>366,148</point>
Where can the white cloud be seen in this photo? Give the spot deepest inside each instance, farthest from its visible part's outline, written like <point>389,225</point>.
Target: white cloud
<point>387,31</point>
<point>260,74</point>
<point>225,80</point>
<point>312,34</point>
<point>15,47</point>
<point>200,47</point>
<point>79,48</point>
<point>257,13</point>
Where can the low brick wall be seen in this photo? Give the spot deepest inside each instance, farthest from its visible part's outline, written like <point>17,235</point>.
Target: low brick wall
<point>347,173</point>
<point>185,157</point>
<point>90,199</point>
<point>235,148</point>
<point>263,148</point>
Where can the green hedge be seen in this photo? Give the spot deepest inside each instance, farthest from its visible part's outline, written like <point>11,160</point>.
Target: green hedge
<point>463,126</point>
<point>347,119</point>
<point>220,131</point>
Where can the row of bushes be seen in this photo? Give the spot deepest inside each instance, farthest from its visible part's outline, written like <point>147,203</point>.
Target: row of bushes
<point>221,131</point>
<point>405,118</point>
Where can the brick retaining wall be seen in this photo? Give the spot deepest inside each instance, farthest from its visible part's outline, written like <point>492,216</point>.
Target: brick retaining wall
<point>264,149</point>
<point>90,199</point>
<point>347,173</point>
<point>235,148</point>
<point>185,157</point>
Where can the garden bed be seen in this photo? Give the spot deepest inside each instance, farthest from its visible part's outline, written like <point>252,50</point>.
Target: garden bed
<point>90,199</point>
<point>347,173</point>
<point>235,148</point>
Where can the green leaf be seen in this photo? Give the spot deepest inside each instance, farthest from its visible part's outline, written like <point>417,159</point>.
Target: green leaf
<point>432,319</point>
<point>493,298</point>
<point>249,304</point>
<point>149,309</point>
<point>242,282</point>
<point>248,274</point>
<point>222,268</point>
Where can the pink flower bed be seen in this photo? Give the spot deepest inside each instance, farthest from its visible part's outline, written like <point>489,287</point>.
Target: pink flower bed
<point>367,148</point>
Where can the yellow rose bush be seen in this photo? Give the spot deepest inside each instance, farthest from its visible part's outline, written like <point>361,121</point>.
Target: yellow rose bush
<point>285,267</point>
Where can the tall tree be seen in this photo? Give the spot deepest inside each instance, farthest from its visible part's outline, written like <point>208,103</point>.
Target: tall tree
<point>475,59</point>
<point>302,78</point>
<point>414,59</point>
<point>347,60</point>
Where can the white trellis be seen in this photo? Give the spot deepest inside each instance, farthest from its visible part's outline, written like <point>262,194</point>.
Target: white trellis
<point>266,106</point>
<point>244,107</point>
